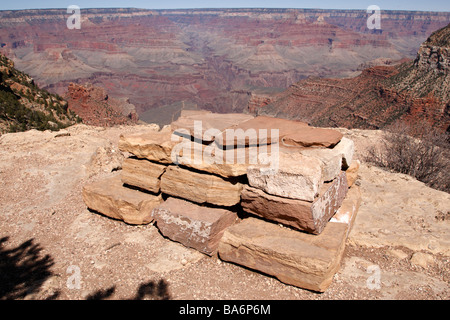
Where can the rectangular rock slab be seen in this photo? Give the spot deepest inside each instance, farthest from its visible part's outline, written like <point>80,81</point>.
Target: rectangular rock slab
<point>212,159</point>
<point>110,198</point>
<point>253,135</point>
<point>211,124</point>
<point>296,258</point>
<point>313,137</point>
<point>310,217</point>
<point>194,226</point>
<point>153,145</point>
<point>200,187</point>
<point>296,176</point>
<point>142,174</point>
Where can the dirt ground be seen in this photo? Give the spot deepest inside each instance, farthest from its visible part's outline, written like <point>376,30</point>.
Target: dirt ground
<point>53,247</point>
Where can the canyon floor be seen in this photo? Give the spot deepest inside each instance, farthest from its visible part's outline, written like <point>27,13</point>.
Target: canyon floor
<point>399,246</point>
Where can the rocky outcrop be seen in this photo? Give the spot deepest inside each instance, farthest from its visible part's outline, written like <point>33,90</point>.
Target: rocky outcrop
<point>25,106</point>
<point>413,91</point>
<point>95,107</point>
<point>42,173</point>
<point>434,53</point>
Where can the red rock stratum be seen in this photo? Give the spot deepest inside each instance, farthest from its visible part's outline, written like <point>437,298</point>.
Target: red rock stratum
<point>217,59</point>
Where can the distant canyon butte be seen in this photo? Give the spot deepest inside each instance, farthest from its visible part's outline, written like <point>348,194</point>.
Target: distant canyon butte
<point>222,60</point>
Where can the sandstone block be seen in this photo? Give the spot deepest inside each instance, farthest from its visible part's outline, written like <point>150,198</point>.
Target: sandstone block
<point>110,198</point>
<point>352,172</point>
<point>192,225</point>
<point>213,159</point>
<point>331,162</point>
<point>311,217</point>
<point>153,145</point>
<point>347,212</point>
<point>206,126</point>
<point>347,149</point>
<point>313,137</point>
<point>142,174</point>
<point>258,131</point>
<point>200,188</point>
<point>333,159</point>
<point>296,258</point>
<point>295,176</point>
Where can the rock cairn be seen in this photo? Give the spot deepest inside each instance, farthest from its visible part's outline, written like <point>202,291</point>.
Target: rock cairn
<point>269,194</point>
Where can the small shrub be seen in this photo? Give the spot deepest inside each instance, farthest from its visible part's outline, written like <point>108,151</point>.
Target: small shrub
<point>420,151</point>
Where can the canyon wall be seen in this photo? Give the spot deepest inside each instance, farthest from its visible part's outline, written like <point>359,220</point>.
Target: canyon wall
<point>219,59</point>
<point>415,91</point>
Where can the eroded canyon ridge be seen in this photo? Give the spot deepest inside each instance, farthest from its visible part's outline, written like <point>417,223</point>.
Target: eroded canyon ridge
<point>415,91</point>
<point>222,60</point>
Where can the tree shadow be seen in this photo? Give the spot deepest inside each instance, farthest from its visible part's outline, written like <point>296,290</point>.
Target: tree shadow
<point>23,270</point>
<point>151,290</point>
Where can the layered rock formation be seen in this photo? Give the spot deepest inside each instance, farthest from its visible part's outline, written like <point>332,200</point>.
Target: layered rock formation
<point>95,107</point>
<point>236,214</point>
<point>413,91</point>
<point>218,59</point>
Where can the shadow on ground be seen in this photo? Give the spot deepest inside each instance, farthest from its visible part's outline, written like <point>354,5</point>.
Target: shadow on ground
<point>151,290</point>
<point>24,269</point>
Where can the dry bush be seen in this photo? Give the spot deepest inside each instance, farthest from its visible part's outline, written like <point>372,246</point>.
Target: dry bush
<point>420,151</point>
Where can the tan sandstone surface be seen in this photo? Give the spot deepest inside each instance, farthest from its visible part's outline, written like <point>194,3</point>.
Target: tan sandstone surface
<point>398,248</point>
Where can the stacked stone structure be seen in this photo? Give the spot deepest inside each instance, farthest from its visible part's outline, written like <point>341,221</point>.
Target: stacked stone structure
<point>273,195</point>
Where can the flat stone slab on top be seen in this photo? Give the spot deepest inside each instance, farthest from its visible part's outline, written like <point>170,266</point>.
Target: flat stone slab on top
<point>312,137</point>
<point>211,124</point>
<point>259,131</point>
